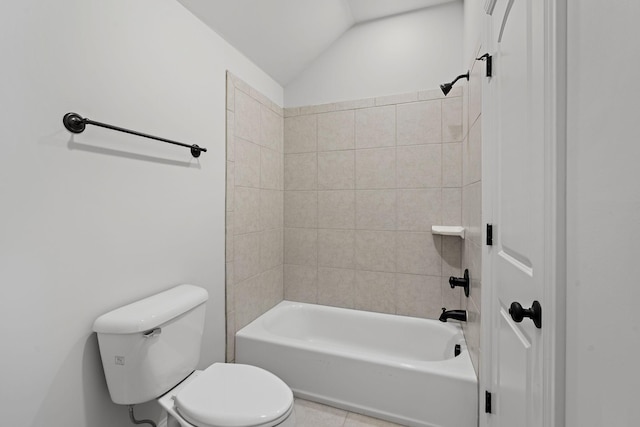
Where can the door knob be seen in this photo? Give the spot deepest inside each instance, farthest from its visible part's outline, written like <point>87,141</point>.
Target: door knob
<point>534,313</point>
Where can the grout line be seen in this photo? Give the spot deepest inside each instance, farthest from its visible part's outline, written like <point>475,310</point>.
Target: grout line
<point>317,216</point>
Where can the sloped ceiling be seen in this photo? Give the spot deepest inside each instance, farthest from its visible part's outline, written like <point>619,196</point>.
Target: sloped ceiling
<point>284,36</point>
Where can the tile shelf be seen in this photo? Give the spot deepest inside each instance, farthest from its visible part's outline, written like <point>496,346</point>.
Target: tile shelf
<point>448,230</point>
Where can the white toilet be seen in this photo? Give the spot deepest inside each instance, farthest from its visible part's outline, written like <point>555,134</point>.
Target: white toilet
<point>150,349</point>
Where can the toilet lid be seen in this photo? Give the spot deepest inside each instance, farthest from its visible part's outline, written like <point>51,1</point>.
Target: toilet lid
<point>234,395</point>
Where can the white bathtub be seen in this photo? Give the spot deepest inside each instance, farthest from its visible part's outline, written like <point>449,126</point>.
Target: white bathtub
<point>397,368</point>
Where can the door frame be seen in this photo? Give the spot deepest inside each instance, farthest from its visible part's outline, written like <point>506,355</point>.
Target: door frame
<point>554,289</point>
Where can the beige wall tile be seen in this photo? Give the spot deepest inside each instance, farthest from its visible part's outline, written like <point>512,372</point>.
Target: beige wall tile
<point>247,117</point>
<point>231,337</point>
<point>429,95</point>
<point>271,209</point>
<point>336,131</point>
<point>231,186</point>
<point>336,248</point>
<point>270,169</point>
<point>247,210</point>
<point>451,298</point>
<point>230,94</point>
<point>317,109</point>
<point>230,299</point>
<point>375,127</point>
<point>452,164</point>
<point>418,296</point>
<point>465,109</point>
<point>228,235</point>
<point>418,210</point>
<point>376,209</point>
<point>230,136</point>
<point>419,166</point>
<point>336,209</point>
<point>247,164</point>
<point>239,83</point>
<point>301,209</point>
<point>300,171</point>
<point>300,134</point>
<point>336,170</point>
<point>472,155</point>
<point>419,123</point>
<point>397,99</point>
<point>472,332</point>
<point>301,246</point>
<point>419,253</point>
<point>271,129</point>
<point>301,283</point>
<point>271,248</point>
<point>424,175</point>
<point>260,97</point>
<point>247,256</point>
<point>272,288</point>
<point>472,260</point>
<point>472,212</point>
<point>336,287</point>
<point>475,91</point>
<point>376,168</point>
<point>375,291</point>
<point>376,250</point>
<point>452,119</point>
<point>254,273</point>
<point>356,104</point>
<point>248,292</point>
<point>451,206</point>
<point>291,112</point>
<point>451,256</point>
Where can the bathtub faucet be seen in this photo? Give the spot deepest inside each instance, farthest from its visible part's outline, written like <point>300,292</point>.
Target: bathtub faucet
<point>460,315</point>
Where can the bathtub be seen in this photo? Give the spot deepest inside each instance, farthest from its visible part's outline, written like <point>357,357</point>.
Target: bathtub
<point>397,368</point>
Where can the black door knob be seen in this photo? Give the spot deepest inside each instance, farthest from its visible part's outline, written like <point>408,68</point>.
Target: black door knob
<point>534,313</point>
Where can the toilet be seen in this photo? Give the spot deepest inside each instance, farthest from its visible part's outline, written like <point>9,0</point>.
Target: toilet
<point>150,350</point>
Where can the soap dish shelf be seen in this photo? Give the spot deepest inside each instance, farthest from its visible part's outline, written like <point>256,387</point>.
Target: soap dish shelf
<point>448,230</point>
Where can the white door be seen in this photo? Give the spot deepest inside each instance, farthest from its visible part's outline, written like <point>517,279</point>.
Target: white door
<point>516,180</point>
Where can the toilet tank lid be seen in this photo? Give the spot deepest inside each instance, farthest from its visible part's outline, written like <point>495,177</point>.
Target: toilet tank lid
<point>151,312</point>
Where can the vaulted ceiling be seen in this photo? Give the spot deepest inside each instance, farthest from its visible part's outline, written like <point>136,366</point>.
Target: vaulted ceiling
<point>284,36</point>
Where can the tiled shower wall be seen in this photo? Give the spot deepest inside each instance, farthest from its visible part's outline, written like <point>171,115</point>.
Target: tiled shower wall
<point>364,181</point>
<point>254,220</point>
<point>472,203</point>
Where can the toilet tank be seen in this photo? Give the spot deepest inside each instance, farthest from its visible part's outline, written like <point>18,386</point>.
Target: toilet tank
<point>149,346</point>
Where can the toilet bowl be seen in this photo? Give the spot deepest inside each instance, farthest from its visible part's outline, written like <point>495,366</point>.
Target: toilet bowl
<point>150,350</point>
<point>229,395</point>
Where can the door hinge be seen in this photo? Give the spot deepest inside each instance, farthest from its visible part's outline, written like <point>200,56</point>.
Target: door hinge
<point>489,234</point>
<point>487,402</point>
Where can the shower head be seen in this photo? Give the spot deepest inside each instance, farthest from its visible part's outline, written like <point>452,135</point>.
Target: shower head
<point>446,87</point>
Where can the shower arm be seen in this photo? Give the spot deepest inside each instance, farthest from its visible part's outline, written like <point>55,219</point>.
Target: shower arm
<point>466,76</point>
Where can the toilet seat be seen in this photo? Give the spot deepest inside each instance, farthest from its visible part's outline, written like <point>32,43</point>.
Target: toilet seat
<point>234,395</point>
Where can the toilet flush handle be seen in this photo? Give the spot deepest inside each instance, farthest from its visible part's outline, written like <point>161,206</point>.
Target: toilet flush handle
<point>152,333</point>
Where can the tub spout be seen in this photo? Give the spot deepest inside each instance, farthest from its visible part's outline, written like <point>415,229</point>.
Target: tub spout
<point>460,315</point>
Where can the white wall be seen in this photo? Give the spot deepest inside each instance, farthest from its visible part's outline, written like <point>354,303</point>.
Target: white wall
<point>474,14</point>
<point>405,53</point>
<point>603,292</point>
<point>100,219</point>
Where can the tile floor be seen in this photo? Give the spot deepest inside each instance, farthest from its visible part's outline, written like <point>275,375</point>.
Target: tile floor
<point>311,414</point>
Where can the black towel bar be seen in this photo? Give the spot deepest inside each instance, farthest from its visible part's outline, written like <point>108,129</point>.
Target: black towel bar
<point>75,123</point>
